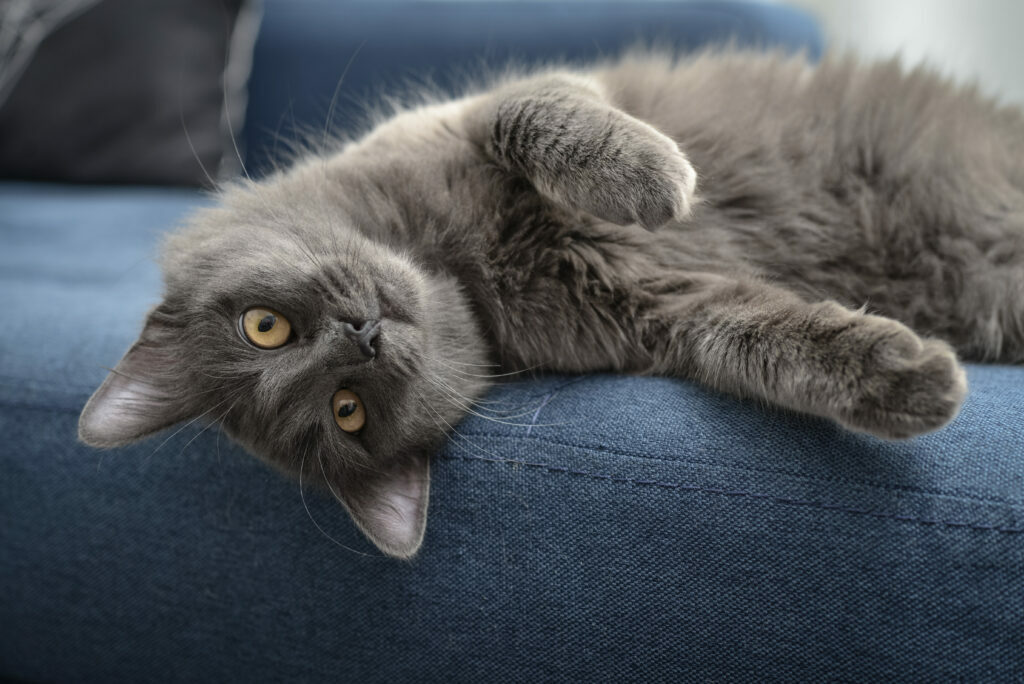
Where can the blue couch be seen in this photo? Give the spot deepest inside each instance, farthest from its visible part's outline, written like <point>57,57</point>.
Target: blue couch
<point>628,529</point>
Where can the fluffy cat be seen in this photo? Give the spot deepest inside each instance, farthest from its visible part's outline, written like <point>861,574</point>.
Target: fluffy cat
<point>335,317</point>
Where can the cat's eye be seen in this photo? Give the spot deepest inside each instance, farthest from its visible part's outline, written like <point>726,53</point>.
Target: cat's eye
<point>348,411</point>
<point>265,328</point>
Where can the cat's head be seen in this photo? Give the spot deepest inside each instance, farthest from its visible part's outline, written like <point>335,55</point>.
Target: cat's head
<point>322,351</point>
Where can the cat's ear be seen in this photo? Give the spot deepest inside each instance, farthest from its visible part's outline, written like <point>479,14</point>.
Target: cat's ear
<point>390,506</point>
<point>142,394</point>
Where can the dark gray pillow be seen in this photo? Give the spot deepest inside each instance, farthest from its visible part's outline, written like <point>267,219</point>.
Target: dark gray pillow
<point>123,91</point>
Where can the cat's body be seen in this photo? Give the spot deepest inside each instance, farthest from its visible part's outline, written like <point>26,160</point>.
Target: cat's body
<point>511,227</point>
<point>862,184</point>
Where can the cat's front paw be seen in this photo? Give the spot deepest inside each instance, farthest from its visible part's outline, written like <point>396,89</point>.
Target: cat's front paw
<point>578,150</point>
<point>645,179</point>
<point>907,386</point>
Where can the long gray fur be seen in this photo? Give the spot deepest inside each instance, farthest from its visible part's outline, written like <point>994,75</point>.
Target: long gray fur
<point>825,238</point>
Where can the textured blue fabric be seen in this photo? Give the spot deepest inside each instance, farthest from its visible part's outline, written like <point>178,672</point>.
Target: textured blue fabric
<point>620,528</point>
<point>305,46</point>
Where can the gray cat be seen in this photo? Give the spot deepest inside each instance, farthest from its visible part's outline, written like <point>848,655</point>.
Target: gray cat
<point>337,317</point>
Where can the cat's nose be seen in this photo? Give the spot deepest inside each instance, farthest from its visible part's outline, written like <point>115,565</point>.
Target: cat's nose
<point>364,335</point>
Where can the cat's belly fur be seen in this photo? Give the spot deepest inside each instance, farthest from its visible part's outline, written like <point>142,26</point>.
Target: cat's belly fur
<point>865,185</point>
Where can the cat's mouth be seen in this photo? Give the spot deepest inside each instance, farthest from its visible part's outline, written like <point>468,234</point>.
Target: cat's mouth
<point>387,347</point>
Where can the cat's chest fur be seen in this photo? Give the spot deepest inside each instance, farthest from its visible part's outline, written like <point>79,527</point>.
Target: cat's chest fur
<point>550,287</point>
<point>558,289</point>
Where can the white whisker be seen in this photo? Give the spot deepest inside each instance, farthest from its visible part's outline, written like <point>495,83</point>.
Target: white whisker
<point>302,496</point>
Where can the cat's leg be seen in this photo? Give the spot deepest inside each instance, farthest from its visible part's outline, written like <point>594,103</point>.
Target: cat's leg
<point>560,133</point>
<point>748,338</point>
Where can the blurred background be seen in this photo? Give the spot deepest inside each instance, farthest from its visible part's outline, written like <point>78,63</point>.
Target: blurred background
<point>969,39</point>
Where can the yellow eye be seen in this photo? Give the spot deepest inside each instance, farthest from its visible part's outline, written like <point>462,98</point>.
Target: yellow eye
<point>266,328</point>
<point>348,411</point>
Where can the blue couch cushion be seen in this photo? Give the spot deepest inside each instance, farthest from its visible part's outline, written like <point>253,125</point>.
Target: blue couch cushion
<point>618,528</point>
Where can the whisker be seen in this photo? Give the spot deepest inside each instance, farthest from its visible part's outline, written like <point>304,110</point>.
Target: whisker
<point>337,90</point>
<point>468,407</point>
<point>188,138</point>
<point>302,496</point>
<point>222,416</point>
<point>454,433</point>
<point>475,402</point>
<point>487,375</point>
<point>173,434</point>
<point>469,410</point>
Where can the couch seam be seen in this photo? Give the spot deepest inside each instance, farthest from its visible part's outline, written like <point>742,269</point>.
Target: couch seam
<point>606,450</point>
<point>813,478</point>
<point>683,486</point>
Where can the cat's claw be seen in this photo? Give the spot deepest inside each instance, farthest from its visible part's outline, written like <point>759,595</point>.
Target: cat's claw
<point>909,386</point>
